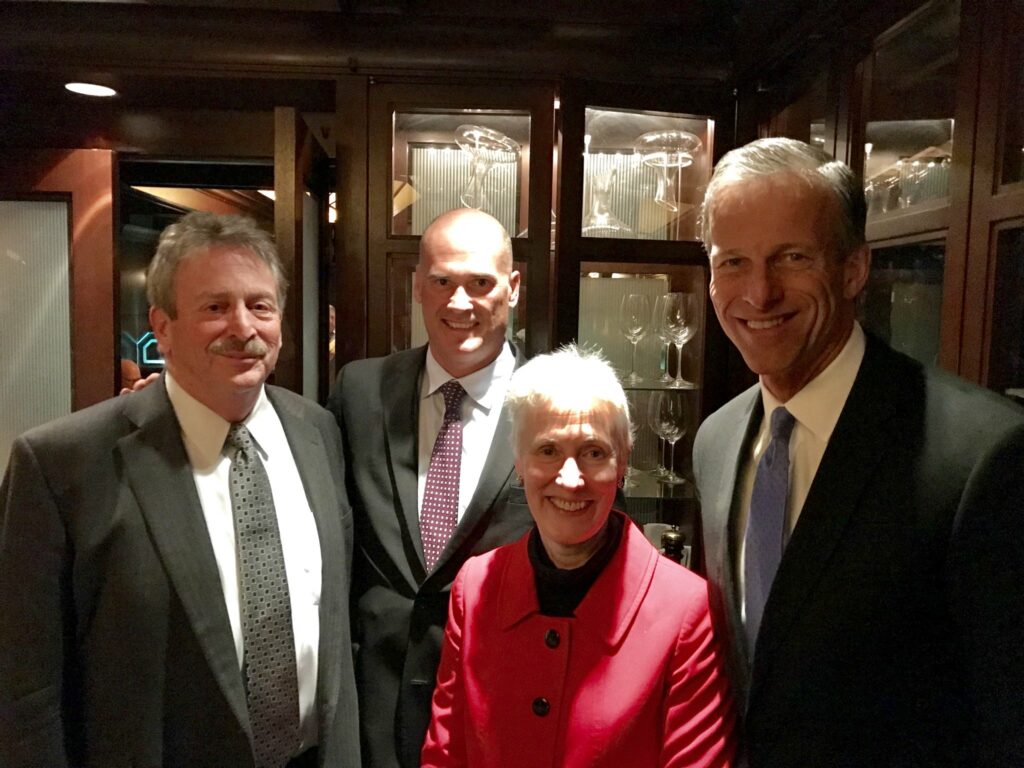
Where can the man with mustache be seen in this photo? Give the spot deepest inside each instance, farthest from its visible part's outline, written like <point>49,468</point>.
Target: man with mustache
<point>175,563</point>
<point>393,411</point>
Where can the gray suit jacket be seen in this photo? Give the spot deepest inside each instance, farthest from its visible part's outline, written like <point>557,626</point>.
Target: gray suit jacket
<point>399,609</point>
<point>893,632</point>
<point>115,646</point>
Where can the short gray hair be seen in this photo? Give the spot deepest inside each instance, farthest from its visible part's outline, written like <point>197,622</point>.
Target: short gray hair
<point>570,379</point>
<point>197,231</point>
<point>767,157</point>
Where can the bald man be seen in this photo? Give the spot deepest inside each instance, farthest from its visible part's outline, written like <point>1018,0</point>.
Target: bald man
<point>392,411</point>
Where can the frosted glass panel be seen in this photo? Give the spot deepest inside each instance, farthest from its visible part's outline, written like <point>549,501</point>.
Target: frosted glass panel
<point>35,325</point>
<point>600,299</point>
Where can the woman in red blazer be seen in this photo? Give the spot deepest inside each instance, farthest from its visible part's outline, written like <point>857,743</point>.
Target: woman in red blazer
<point>578,645</point>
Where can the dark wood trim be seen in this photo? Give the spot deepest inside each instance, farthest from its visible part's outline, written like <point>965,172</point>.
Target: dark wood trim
<point>980,257</point>
<point>350,292</point>
<point>289,135</point>
<point>953,351</point>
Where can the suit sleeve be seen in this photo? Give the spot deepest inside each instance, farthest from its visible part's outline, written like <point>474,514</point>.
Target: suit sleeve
<point>445,746</point>
<point>986,577</point>
<point>699,719</point>
<point>34,625</point>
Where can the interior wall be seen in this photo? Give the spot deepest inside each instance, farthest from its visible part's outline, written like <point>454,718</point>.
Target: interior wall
<point>88,175</point>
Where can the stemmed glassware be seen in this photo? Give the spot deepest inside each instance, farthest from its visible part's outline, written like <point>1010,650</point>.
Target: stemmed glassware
<point>662,332</point>
<point>678,319</point>
<point>634,317</point>
<point>666,413</point>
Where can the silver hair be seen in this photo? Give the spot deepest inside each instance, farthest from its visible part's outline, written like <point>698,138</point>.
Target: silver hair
<point>567,380</point>
<point>767,157</point>
<point>197,231</point>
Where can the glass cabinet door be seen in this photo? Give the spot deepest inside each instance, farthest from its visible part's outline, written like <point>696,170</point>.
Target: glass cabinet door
<point>902,302</point>
<point>1006,353</point>
<point>644,173</point>
<point>648,321</point>
<point>909,135</point>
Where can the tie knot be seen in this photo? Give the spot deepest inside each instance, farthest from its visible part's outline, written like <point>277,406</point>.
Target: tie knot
<point>453,393</point>
<point>782,424</point>
<point>239,438</point>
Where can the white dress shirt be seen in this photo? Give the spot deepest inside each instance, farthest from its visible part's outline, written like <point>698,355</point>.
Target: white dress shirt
<point>203,433</point>
<point>481,410</point>
<point>816,409</point>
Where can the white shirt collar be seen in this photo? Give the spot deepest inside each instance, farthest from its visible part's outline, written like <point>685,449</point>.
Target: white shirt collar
<point>817,406</point>
<point>205,431</point>
<point>478,385</point>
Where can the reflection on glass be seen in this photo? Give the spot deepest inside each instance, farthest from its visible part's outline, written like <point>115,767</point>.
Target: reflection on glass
<point>666,414</point>
<point>1013,99</point>
<point>450,159</point>
<point>669,152</point>
<point>903,299</point>
<point>909,139</point>
<point>485,148</point>
<point>634,317</point>
<point>1006,358</point>
<point>644,173</point>
<point>804,119</point>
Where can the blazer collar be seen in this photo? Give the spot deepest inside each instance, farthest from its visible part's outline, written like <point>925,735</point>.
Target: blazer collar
<point>608,609</point>
<point>161,479</point>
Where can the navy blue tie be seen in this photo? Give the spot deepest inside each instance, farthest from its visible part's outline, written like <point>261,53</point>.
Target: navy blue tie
<point>763,539</point>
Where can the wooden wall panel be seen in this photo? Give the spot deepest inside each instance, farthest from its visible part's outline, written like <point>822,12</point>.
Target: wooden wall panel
<point>89,176</point>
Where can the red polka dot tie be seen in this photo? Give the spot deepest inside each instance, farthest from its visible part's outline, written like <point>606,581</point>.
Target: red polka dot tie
<point>272,684</point>
<point>440,511</point>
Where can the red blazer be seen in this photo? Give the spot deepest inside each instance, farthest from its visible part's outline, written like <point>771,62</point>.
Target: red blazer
<point>634,679</point>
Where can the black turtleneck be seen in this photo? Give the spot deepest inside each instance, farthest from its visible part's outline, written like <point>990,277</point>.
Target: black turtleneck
<point>561,590</point>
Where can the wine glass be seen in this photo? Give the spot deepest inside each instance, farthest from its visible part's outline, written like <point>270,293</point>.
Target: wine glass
<point>634,315</point>
<point>680,323</point>
<point>662,332</point>
<point>666,413</point>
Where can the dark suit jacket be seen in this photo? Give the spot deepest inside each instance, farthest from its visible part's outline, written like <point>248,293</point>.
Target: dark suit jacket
<point>115,646</point>
<point>894,631</point>
<point>400,610</point>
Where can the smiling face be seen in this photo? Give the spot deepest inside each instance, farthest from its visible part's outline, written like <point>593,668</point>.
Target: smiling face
<point>224,340</point>
<point>570,470</point>
<point>466,286</point>
<point>782,292</point>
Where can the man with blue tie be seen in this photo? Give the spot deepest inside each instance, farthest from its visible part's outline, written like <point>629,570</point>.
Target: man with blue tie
<point>863,515</point>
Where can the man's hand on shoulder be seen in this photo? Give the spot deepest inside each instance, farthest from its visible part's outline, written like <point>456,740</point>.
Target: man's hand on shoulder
<point>140,385</point>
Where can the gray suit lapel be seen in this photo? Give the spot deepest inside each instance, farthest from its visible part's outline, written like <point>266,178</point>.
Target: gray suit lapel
<point>400,395</point>
<point>737,430</point>
<point>310,456</point>
<point>160,476</point>
<point>854,450</point>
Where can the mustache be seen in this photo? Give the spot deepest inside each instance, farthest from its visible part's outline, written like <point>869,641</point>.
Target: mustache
<point>251,348</point>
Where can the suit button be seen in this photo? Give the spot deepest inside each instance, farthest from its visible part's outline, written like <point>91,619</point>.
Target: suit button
<point>541,706</point>
<point>552,638</point>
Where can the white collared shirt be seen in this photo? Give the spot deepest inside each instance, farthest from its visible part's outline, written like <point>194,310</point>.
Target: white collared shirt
<point>481,410</point>
<point>203,433</point>
<point>816,409</point>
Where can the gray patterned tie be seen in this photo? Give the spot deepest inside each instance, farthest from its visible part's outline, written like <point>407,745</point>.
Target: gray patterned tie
<point>440,511</point>
<point>766,522</point>
<point>271,680</point>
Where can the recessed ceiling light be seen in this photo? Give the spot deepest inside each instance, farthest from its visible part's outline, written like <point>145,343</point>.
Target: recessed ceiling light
<point>90,89</point>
